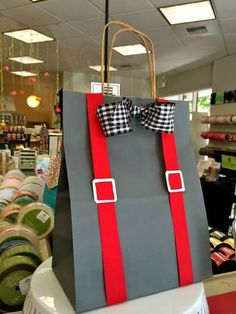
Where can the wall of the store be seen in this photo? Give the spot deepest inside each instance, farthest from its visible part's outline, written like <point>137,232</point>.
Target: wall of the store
<point>224,74</point>
<point>188,81</point>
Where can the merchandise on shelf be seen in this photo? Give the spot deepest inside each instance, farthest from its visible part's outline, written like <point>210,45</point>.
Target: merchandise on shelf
<point>23,223</point>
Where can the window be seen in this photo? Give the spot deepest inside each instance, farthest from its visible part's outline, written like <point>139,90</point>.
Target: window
<point>204,100</point>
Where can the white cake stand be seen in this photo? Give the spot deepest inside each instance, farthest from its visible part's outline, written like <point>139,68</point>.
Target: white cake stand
<point>47,297</point>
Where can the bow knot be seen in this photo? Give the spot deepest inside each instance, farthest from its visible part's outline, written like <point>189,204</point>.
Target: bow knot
<point>115,117</point>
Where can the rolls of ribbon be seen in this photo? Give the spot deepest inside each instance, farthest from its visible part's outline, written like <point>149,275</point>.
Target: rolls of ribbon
<point>15,174</point>
<point>33,180</point>
<point>11,182</point>
<point>228,252</point>
<point>10,243</point>
<point>24,198</point>
<point>221,263</point>
<point>34,188</point>
<point>10,212</point>
<point>217,234</point>
<point>39,217</point>
<point>214,242</point>
<point>4,223</point>
<point>25,249</point>
<point>12,232</point>
<point>15,276</point>
<point>230,242</point>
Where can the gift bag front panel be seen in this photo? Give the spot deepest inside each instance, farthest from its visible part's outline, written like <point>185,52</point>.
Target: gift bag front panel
<point>143,211</point>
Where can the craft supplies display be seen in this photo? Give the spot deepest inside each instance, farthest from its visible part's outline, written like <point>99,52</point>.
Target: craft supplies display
<point>222,252</point>
<point>24,221</point>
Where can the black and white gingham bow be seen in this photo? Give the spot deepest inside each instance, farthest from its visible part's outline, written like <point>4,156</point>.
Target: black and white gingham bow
<point>115,117</point>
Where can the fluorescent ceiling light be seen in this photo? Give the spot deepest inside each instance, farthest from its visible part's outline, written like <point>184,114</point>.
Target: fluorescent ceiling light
<point>24,73</point>
<point>98,68</point>
<point>29,36</point>
<point>36,0</point>
<point>26,60</point>
<point>130,50</point>
<point>190,12</point>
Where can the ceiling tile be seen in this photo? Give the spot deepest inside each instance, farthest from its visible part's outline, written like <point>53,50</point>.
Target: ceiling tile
<point>225,8</point>
<point>121,6</point>
<point>142,20</point>
<point>6,4</point>
<point>8,24</point>
<point>59,31</point>
<point>92,27</point>
<point>30,15</point>
<point>161,33</point>
<point>228,25</point>
<point>70,9</point>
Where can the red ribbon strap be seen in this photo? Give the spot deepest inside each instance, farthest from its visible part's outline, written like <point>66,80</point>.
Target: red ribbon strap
<point>175,182</point>
<point>114,276</point>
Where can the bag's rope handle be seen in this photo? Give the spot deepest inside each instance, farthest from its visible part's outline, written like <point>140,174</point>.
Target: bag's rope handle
<point>144,39</point>
<point>150,58</point>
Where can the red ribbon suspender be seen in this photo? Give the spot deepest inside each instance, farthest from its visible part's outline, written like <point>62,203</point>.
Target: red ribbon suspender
<point>104,190</point>
<point>114,276</point>
<point>176,187</point>
<point>176,198</point>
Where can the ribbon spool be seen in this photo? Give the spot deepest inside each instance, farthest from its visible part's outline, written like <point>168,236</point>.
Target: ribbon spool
<point>217,234</point>
<point>12,232</point>
<point>10,212</point>
<point>221,263</point>
<point>23,249</point>
<point>15,174</point>
<point>23,198</point>
<point>214,242</point>
<point>39,217</point>
<point>9,243</point>
<point>15,275</point>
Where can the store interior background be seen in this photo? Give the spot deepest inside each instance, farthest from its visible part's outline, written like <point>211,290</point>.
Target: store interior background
<point>188,63</point>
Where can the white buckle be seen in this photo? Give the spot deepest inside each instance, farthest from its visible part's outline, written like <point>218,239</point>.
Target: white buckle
<point>95,195</point>
<point>168,173</point>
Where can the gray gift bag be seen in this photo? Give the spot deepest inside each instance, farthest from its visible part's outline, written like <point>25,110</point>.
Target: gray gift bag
<point>143,211</point>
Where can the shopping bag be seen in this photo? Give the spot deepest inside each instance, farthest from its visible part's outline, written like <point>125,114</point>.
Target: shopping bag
<point>130,218</point>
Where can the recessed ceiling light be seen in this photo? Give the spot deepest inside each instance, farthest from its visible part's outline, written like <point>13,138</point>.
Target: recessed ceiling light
<point>24,73</point>
<point>29,36</point>
<point>98,68</point>
<point>26,60</point>
<point>130,50</point>
<point>190,12</point>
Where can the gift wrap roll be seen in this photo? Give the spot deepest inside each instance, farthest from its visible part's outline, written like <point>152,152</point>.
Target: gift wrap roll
<point>15,275</point>
<point>39,217</point>
<point>14,232</point>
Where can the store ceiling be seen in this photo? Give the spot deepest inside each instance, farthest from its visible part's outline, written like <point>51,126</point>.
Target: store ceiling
<point>77,25</point>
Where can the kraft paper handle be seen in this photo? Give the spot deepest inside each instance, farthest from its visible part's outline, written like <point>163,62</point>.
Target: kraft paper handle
<point>144,39</point>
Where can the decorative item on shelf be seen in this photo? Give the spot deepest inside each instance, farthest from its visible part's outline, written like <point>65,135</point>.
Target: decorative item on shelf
<point>230,96</point>
<point>33,101</point>
<point>13,93</point>
<point>6,68</point>
<point>217,98</point>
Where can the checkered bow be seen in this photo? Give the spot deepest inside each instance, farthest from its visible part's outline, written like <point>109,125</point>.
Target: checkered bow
<point>115,117</point>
